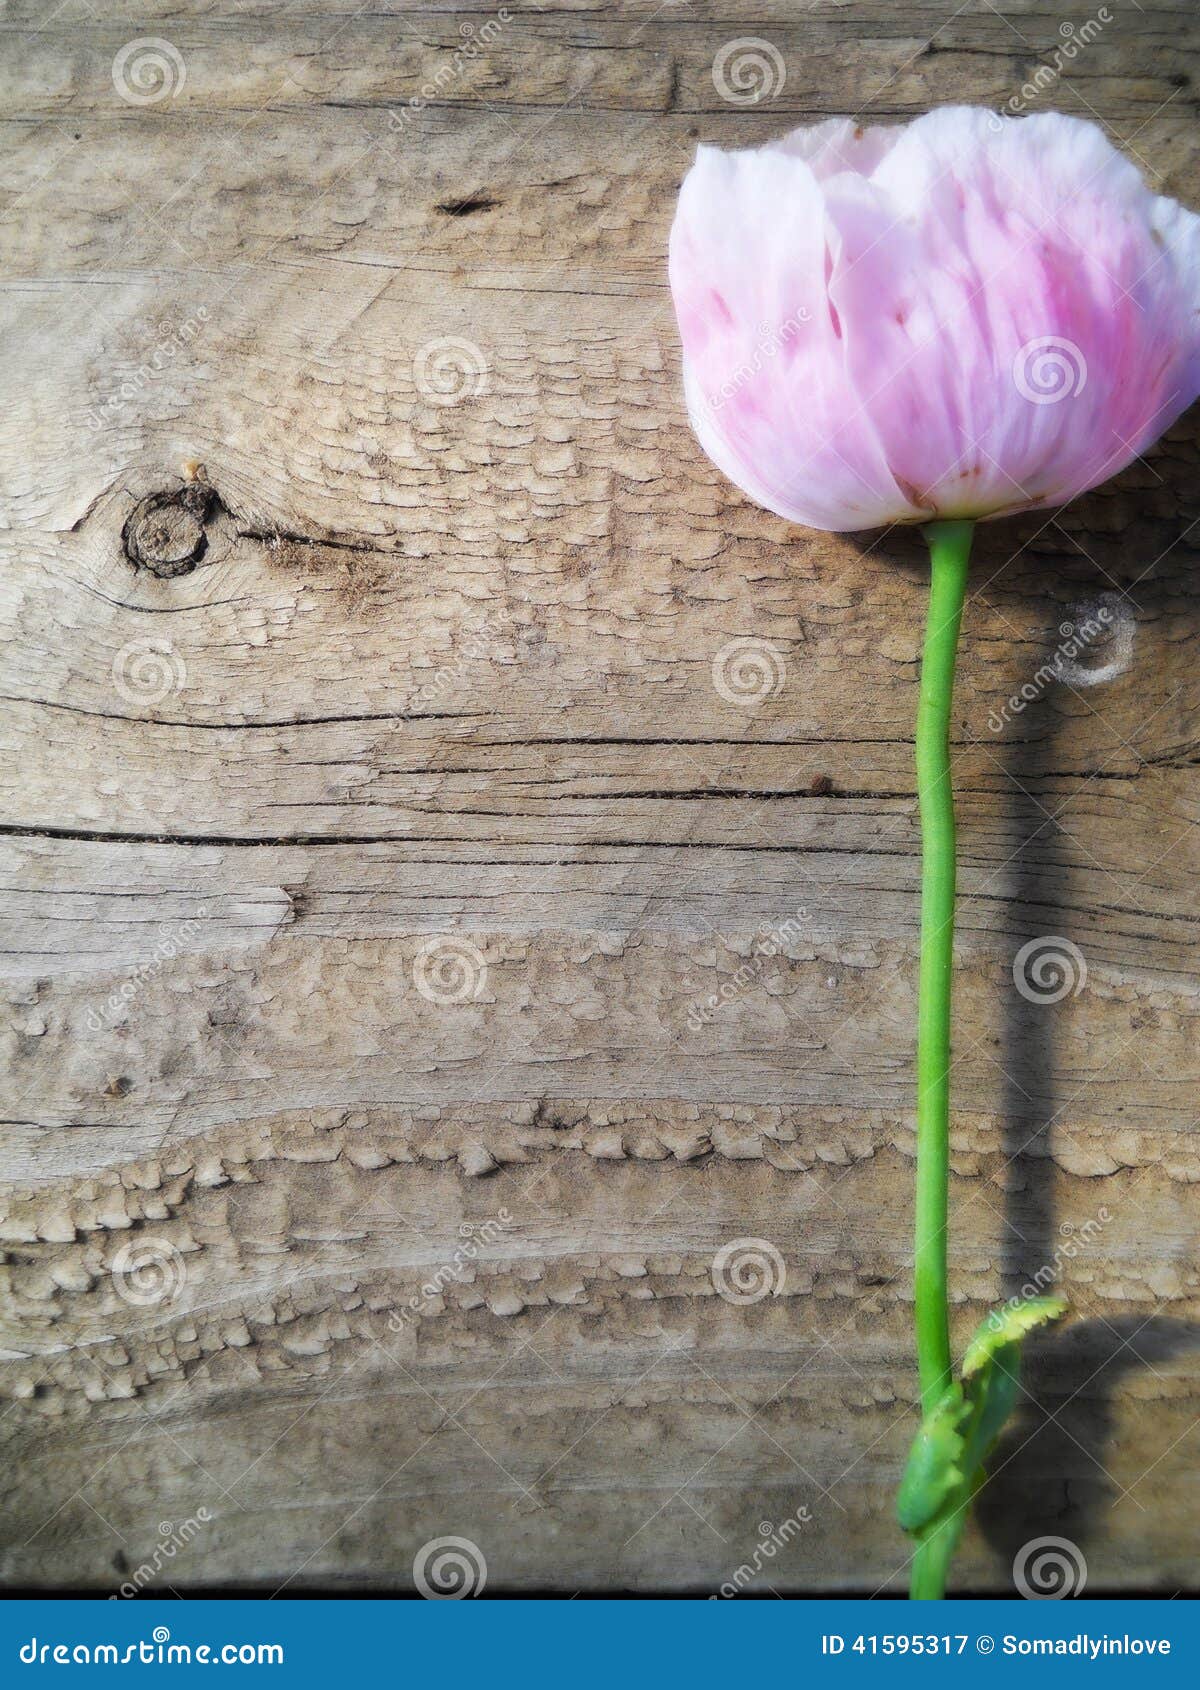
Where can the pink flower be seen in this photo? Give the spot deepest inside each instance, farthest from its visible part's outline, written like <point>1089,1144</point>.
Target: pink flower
<point>958,317</point>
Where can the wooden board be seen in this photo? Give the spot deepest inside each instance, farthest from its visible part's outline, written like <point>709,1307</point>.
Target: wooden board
<point>459,857</point>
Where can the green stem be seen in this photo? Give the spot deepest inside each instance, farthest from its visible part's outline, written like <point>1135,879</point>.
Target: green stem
<point>930,1565</point>
<point>949,546</point>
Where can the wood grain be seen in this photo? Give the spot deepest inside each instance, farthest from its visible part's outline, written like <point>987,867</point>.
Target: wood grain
<point>417,944</point>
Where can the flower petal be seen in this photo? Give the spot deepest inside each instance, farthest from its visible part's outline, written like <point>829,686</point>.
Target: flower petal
<point>764,360</point>
<point>961,316</point>
<point>1021,311</point>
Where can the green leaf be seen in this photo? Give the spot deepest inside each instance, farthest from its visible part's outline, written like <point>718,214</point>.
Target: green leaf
<point>946,1463</point>
<point>992,1393</point>
<point>991,1371</point>
<point>934,1471</point>
<point>1008,1325</point>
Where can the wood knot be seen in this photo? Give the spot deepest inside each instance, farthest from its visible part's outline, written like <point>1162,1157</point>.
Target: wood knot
<point>165,533</point>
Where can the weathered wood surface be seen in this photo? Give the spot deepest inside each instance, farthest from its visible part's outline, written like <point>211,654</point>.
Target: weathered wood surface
<point>446,671</point>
